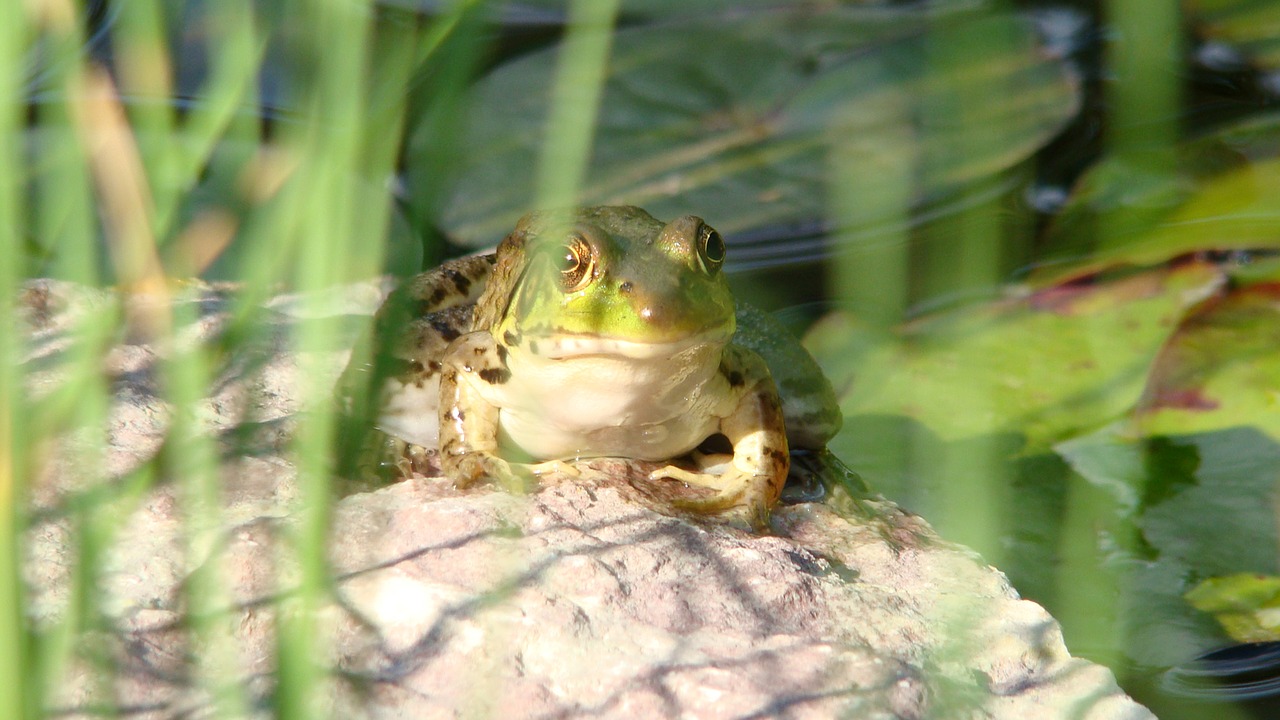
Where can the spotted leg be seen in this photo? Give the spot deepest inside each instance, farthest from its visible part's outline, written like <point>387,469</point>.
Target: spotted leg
<point>753,482</point>
<point>468,422</point>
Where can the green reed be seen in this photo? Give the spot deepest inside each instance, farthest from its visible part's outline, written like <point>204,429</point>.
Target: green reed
<point>15,698</point>
<point>97,176</point>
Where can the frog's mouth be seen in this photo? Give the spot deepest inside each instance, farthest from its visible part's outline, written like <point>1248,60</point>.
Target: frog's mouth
<point>562,346</point>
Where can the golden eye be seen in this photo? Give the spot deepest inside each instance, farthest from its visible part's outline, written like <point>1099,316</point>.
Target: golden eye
<point>577,264</point>
<point>710,249</point>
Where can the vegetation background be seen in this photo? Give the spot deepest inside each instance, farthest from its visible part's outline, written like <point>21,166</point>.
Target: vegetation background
<point>1033,245</point>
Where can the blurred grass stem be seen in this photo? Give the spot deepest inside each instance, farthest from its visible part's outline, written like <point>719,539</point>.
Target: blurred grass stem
<point>871,185</point>
<point>123,191</point>
<point>972,501</point>
<point>322,206</point>
<point>575,100</point>
<point>16,696</point>
<point>1142,135</point>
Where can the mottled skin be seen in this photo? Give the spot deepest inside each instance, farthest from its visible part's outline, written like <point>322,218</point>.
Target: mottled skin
<point>600,332</point>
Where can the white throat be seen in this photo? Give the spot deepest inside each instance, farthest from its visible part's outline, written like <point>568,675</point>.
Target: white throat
<point>579,397</point>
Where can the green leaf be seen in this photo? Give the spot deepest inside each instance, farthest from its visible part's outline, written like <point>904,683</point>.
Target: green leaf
<point>1241,592</point>
<point>1153,218</point>
<point>730,117</point>
<point>1203,505</point>
<point>1221,369</point>
<point>1049,365</point>
<point>1247,605</point>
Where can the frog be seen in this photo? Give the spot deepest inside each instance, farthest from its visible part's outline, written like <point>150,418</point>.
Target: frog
<point>593,332</point>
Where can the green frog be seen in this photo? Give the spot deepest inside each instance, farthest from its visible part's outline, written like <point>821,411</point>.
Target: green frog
<point>598,332</point>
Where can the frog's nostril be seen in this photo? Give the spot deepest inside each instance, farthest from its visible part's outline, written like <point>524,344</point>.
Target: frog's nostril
<point>625,287</point>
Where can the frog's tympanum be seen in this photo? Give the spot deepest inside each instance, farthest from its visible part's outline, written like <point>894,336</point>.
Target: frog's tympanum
<point>600,332</point>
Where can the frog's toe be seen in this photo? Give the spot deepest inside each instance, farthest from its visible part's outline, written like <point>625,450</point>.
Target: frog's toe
<point>734,500</point>
<point>385,459</point>
<point>512,477</point>
<point>722,482</point>
<point>552,467</point>
<point>415,460</point>
<point>709,504</point>
<point>728,489</point>
<point>467,470</point>
<point>730,508</point>
<point>749,517</point>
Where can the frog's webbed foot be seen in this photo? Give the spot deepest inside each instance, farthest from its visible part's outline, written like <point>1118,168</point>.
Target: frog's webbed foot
<point>527,477</point>
<point>513,477</point>
<point>552,467</point>
<point>371,458</point>
<point>408,459</point>
<point>732,500</point>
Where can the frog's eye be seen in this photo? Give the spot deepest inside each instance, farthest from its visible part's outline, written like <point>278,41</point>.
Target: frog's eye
<point>577,263</point>
<point>710,249</point>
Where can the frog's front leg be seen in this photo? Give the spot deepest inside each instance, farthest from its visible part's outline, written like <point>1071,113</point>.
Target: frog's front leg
<point>753,482</point>
<point>468,421</point>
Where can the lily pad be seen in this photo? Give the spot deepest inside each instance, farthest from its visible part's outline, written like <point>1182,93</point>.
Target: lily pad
<point>1220,369</point>
<point>1202,504</point>
<point>1049,365</point>
<point>1213,203</point>
<point>1247,605</point>
<point>731,117</point>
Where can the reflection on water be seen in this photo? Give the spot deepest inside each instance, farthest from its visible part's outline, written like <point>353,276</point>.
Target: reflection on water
<point>1240,672</point>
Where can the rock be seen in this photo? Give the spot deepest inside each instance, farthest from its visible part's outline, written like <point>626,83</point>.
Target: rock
<point>574,601</point>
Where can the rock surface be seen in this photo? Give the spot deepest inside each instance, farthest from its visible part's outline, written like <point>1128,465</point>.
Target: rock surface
<point>574,601</point>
